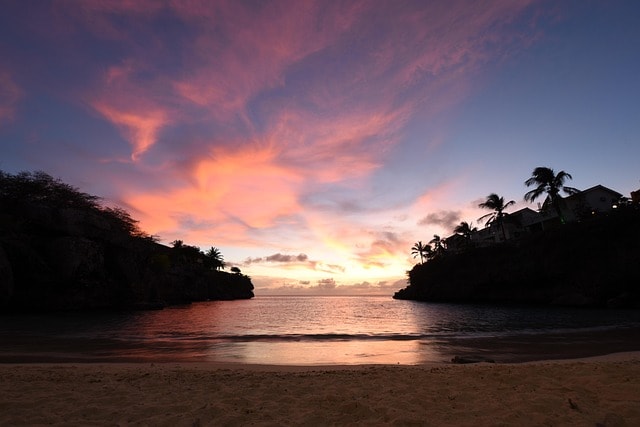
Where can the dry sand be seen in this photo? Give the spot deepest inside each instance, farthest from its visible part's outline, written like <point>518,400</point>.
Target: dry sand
<point>587,392</point>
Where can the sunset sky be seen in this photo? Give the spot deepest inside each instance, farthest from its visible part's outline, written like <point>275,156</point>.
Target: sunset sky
<point>314,143</point>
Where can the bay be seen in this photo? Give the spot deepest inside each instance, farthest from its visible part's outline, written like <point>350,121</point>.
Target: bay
<point>302,330</point>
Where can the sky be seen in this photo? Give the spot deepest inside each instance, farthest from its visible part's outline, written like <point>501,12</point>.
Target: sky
<point>314,142</point>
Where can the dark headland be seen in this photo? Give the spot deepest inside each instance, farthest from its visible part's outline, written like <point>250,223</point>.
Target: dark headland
<point>594,262</point>
<point>61,249</point>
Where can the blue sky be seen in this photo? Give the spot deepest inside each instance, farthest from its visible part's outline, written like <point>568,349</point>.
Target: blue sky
<point>314,142</point>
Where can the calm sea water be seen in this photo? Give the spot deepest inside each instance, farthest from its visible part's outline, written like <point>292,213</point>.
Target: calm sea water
<point>298,330</point>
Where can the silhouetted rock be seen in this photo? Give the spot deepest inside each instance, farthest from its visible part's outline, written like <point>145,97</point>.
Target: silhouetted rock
<point>593,263</point>
<point>59,250</point>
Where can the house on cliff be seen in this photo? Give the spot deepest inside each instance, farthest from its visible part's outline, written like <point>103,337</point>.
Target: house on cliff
<point>516,224</point>
<point>592,201</point>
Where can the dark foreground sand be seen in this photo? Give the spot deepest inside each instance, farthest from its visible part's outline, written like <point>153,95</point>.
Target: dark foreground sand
<point>587,392</point>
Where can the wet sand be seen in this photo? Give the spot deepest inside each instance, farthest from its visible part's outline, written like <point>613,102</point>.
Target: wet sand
<point>595,391</point>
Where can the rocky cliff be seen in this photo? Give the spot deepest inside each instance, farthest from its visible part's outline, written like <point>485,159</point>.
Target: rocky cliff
<point>59,250</point>
<point>595,262</point>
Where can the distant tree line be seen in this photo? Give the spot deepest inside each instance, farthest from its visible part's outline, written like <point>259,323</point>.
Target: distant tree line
<point>212,259</point>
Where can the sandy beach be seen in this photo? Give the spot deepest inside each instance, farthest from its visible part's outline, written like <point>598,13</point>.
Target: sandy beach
<point>591,392</point>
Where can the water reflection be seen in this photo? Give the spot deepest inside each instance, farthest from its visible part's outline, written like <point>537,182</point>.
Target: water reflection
<point>325,353</point>
<point>316,331</point>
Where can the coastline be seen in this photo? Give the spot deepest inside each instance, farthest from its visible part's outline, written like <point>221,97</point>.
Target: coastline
<point>507,348</point>
<point>588,391</point>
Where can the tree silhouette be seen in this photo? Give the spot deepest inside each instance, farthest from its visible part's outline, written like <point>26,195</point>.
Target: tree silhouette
<point>216,258</point>
<point>438,244</point>
<point>40,187</point>
<point>546,181</point>
<point>44,190</point>
<point>235,270</point>
<point>497,204</point>
<point>419,249</point>
<point>465,229</point>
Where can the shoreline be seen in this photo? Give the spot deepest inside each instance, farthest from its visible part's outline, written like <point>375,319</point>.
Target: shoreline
<point>601,390</point>
<point>501,349</point>
<point>619,356</point>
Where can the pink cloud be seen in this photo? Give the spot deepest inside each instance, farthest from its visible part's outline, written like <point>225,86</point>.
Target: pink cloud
<point>10,95</point>
<point>334,149</point>
<point>138,111</point>
<point>453,37</point>
<point>242,51</point>
<point>140,127</point>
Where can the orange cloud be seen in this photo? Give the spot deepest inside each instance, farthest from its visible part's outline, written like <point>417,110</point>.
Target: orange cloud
<point>245,186</point>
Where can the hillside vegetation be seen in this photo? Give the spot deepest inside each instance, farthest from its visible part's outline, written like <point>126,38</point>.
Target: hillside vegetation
<point>61,249</point>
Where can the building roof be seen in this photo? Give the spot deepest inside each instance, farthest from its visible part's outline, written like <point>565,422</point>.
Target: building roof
<point>596,188</point>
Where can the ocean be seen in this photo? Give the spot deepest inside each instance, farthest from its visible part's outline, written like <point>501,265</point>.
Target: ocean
<point>317,330</point>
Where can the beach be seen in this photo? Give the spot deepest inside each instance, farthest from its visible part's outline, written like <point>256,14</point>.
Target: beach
<point>596,391</point>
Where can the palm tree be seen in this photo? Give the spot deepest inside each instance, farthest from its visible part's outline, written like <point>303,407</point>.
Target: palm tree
<point>422,250</point>
<point>546,181</point>
<point>215,257</point>
<point>465,229</point>
<point>497,204</point>
<point>438,244</point>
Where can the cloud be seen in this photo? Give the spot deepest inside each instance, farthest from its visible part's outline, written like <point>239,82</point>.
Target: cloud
<point>244,188</point>
<point>286,258</point>
<point>278,257</point>
<point>384,287</point>
<point>329,286</point>
<point>10,95</point>
<point>326,284</point>
<point>445,219</point>
<point>239,51</point>
<point>385,248</point>
<point>295,262</point>
<point>140,127</point>
<point>136,106</point>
